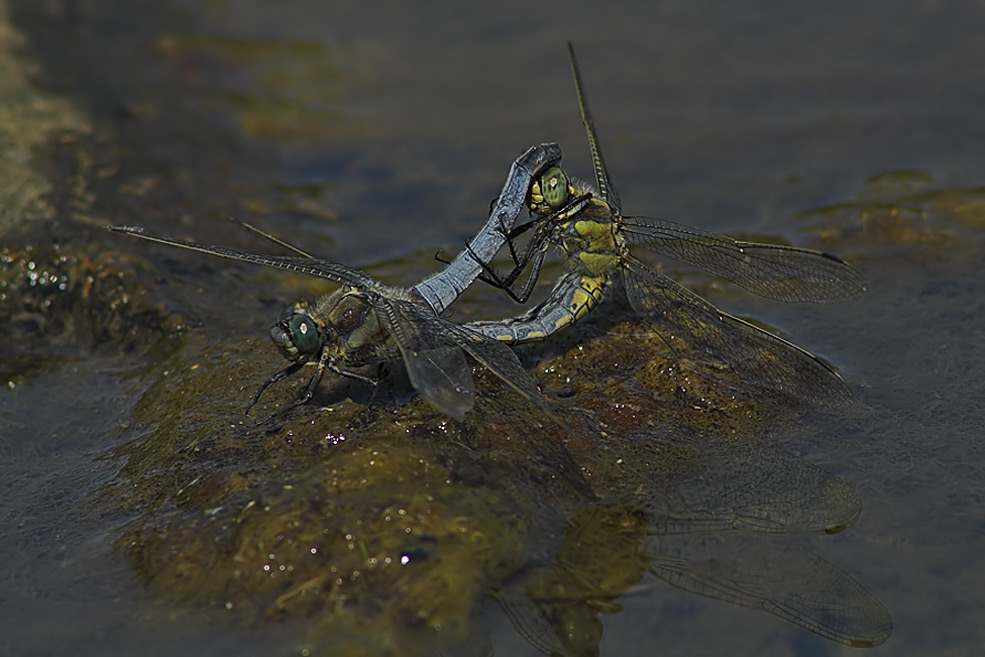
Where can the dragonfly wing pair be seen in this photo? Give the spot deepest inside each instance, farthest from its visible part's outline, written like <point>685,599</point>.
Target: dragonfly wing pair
<point>431,348</point>
<point>778,577</point>
<point>711,528</point>
<point>759,357</point>
<point>595,238</point>
<point>779,272</point>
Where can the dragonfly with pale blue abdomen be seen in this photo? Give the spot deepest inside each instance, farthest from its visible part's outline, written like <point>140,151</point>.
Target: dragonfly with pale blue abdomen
<point>367,322</point>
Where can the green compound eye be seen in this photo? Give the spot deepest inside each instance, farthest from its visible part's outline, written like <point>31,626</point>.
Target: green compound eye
<point>554,187</point>
<point>304,333</point>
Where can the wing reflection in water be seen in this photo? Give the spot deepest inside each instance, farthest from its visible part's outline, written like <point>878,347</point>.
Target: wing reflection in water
<point>711,527</point>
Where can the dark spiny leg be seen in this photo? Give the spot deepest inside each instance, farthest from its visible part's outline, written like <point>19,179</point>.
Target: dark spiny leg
<point>489,277</point>
<point>536,249</point>
<point>515,233</point>
<point>482,277</point>
<point>305,396</point>
<point>380,376</point>
<point>506,284</point>
<point>495,280</point>
<point>309,390</point>
<point>353,375</point>
<point>274,378</point>
<point>528,286</point>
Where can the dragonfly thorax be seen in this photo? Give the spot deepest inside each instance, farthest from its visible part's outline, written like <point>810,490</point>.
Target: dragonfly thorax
<point>589,239</point>
<point>348,314</point>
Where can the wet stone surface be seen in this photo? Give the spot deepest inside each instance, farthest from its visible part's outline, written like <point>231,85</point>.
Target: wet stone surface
<point>395,523</point>
<point>137,492</point>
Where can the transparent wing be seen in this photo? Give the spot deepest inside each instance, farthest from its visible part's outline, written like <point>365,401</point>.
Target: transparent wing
<point>779,272</point>
<point>327,269</point>
<point>724,486</point>
<point>759,357</point>
<point>500,360</point>
<point>272,238</point>
<point>436,366</point>
<point>602,182</point>
<point>780,578</point>
<point>530,622</point>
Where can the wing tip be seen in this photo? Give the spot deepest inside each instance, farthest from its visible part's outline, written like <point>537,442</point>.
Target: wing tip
<point>138,230</point>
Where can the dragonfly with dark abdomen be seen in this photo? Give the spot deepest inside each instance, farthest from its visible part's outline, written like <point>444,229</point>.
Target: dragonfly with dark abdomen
<point>587,225</point>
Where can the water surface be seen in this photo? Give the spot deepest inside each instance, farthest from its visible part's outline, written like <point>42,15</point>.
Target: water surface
<point>376,138</point>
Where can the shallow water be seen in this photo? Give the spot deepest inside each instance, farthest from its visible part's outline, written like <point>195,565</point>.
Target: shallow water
<point>377,137</point>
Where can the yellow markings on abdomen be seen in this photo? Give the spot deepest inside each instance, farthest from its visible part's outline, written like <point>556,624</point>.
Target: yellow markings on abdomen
<point>583,298</point>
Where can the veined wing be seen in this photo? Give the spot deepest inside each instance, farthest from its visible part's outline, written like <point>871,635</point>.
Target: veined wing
<point>436,365</point>
<point>784,273</point>
<point>602,182</point>
<point>752,487</point>
<point>530,621</point>
<point>432,350</point>
<point>775,576</point>
<point>500,360</point>
<point>326,269</point>
<point>759,357</point>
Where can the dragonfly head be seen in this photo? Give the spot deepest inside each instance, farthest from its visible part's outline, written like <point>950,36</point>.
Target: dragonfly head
<point>550,191</point>
<point>297,333</point>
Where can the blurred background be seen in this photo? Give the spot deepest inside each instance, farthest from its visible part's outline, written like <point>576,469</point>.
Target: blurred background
<point>377,133</point>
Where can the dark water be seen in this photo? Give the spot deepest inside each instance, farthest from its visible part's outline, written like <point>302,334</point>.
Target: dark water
<point>375,136</point>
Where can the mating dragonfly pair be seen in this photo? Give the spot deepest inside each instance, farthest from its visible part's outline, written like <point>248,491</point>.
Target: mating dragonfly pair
<point>366,322</point>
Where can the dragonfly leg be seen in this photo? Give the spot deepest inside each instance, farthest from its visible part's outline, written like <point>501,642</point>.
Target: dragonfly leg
<point>440,258</point>
<point>519,261</point>
<point>353,375</point>
<point>274,378</point>
<point>490,277</point>
<point>380,376</point>
<point>505,283</point>
<point>309,390</point>
<point>535,250</point>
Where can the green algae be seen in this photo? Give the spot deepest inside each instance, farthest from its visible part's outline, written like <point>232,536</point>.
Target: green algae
<point>64,300</point>
<point>903,209</point>
<point>380,527</point>
<point>384,527</point>
<point>277,89</point>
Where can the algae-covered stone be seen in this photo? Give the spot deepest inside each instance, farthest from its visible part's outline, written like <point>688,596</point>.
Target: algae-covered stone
<point>386,526</point>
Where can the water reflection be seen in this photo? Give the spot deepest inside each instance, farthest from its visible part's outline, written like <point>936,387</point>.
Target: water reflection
<point>704,532</point>
<point>382,529</point>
